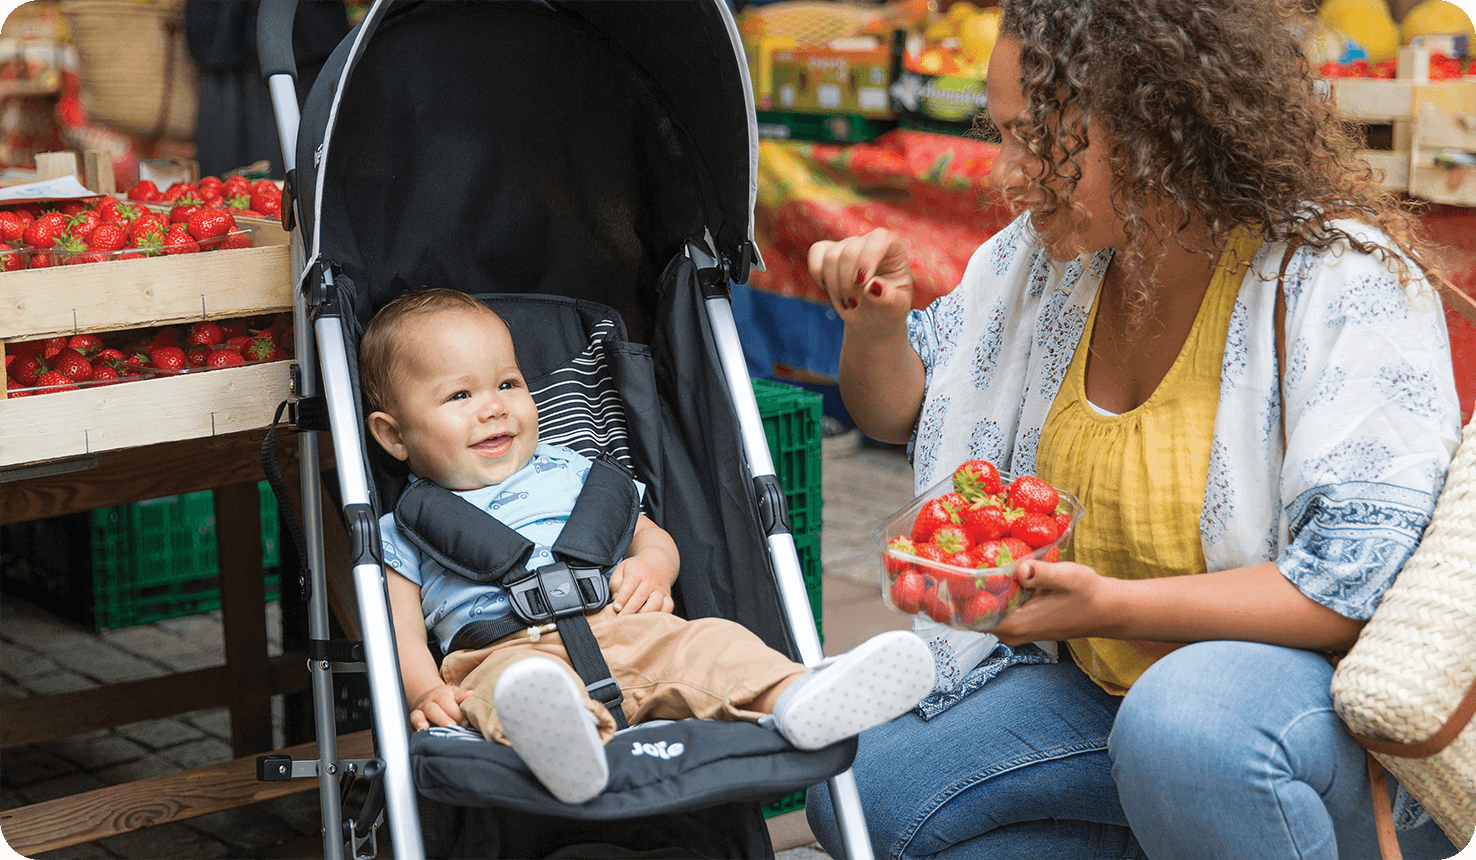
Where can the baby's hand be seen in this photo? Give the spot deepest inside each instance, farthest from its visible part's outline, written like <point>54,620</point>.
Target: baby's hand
<point>439,706</point>
<point>641,586</point>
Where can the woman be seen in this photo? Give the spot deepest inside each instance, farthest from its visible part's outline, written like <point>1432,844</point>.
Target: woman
<point>1120,339</point>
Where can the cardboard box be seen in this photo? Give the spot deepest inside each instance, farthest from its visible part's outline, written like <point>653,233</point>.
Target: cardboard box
<point>832,80</point>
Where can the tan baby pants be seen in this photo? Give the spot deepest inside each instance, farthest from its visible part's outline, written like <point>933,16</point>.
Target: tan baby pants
<point>668,668</point>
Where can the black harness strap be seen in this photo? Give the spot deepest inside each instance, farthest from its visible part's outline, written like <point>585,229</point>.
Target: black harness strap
<point>464,540</point>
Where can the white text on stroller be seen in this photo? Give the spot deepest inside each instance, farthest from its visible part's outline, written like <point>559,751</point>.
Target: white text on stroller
<point>658,750</point>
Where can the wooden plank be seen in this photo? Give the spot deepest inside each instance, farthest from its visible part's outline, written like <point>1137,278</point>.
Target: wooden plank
<point>161,470</point>
<point>1394,164</point>
<point>46,718</point>
<point>1452,185</point>
<point>125,294</point>
<point>55,165</point>
<point>97,170</point>
<point>243,616</point>
<point>145,412</point>
<point>97,814</point>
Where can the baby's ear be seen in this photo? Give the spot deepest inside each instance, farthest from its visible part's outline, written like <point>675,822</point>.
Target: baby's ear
<point>386,432</point>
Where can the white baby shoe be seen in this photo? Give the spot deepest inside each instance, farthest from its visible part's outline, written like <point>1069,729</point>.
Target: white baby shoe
<point>843,696</point>
<point>543,715</point>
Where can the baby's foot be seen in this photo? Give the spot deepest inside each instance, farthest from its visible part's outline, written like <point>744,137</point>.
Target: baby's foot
<point>543,715</point>
<point>876,681</point>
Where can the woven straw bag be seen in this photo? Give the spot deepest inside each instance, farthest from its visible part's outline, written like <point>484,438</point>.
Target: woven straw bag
<point>1407,689</point>
<point>137,75</point>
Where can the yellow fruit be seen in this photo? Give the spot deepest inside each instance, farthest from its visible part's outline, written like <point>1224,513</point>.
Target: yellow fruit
<point>1432,18</point>
<point>977,35</point>
<point>939,29</point>
<point>960,10</point>
<point>1366,22</point>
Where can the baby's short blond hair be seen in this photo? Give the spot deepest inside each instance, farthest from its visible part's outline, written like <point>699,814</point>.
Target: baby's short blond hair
<point>380,346</point>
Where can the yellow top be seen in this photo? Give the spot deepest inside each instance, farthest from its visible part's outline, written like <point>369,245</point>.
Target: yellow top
<point>1141,475</point>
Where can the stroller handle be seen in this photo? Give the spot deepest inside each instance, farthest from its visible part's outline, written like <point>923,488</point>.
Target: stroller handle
<point>274,38</point>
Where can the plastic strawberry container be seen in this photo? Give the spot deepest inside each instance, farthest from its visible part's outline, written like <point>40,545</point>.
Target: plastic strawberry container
<point>952,592</point>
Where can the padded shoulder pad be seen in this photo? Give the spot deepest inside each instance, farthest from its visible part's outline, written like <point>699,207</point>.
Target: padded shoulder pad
<point>596,534</point>
<point>458,535</point>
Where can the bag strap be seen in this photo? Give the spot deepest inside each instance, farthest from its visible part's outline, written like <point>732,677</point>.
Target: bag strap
<point>1383,811</point>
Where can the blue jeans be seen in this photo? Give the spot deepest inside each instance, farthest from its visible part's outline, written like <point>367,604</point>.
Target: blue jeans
<point>1222,749</point>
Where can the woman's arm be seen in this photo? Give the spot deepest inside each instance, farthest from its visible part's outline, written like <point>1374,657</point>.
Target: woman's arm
<point>1256,604</point>
<point>869,282</point>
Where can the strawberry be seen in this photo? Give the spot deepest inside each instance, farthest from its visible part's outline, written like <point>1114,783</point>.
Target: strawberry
<point>44,231</point>
<point>1037,530</point>
<point>976,479</point>
<point>144,191</point>
<point>73,365</point>
<point>14,389</point>
<point>53,381</point>
<point>81,224</point>
<point>932,514</point>
<point>1063,521</point>
<point>89,345</point>
<point>985,520</point>
<point>907,591</point>
<point>168,358</point>
<point>262,349</point>
<point>224,358</point>
<point>106,376</point>
<point>179,242</point>
<point>205,332</point>
<point>266,198</point>
<point>1030,493</point>
<point>177,190</point>
<point>951,538</point>
<point>12,228</point>
<point>937,605</point>
<point>184,206</point>
<point>209,226</point>
<point>196,354</point>
<point>990,554</point>
<point>891,563</point>
<point>981,608</point>
<point>210,185</point>
<point>931,556</point>
<point>26,369</point>
<point>74,207</point>
<point>122,214</point>
<point>236,239</point>
<point>1017,548</point>
<point>234,185</point>
<point>11,259</point>
<point>108,237</point>
<point>53,345</point>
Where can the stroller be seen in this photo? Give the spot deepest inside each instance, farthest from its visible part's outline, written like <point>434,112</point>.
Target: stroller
<point>588,168</point>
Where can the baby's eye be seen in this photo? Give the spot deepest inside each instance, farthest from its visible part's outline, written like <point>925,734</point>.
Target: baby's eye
<point>460,395</point>
<point>507,385</point>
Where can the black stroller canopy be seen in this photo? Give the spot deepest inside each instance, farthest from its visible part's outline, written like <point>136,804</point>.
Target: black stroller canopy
<point>522,146</point>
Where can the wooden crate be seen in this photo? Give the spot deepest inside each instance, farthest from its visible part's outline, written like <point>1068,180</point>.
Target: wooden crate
<point>1425,116</point>
<point>129,294</point>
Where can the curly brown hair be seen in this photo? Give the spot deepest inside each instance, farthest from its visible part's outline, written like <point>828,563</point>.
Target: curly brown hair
<point>1212,111</point>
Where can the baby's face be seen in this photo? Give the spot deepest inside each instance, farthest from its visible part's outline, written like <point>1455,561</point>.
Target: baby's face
<point>461,415</point>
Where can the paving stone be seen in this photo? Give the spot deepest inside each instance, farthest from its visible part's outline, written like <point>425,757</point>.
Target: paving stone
<point>85,851</point>
<point>245,828</point>
<point>27,765</point>
<point>12,692</point>
<point>197,753</point>
<point>203,630</point>
<point>96,753</point>
<point>61,786</point>
<point>21,663</point>
<point>62,681</point>
<point>96,659</point>
<point>143,768</point>
<point>158,734</point>
<point>211,721</point>
<point>160,646</point>
<point>168,840</point>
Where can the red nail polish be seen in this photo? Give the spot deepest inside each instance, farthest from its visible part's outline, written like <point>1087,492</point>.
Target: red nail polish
<point>875,288</point>
<point>860,277</point>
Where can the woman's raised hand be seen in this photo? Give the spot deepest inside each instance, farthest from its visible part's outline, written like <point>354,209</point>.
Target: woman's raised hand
<point>867,278</point>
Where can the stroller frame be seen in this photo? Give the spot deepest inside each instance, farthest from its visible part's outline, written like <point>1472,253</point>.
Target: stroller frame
<point>320,330</point>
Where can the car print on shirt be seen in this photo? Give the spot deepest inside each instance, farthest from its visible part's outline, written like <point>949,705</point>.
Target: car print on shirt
<point>505,498</point>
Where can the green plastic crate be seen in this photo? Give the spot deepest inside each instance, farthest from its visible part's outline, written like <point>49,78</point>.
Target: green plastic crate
<point>808,548</point>
<point>791,419</point>
<point>785,804</point>
<point>128,564</point>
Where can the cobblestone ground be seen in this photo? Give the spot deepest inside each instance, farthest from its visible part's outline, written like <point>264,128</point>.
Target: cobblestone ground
<point>41,654</point>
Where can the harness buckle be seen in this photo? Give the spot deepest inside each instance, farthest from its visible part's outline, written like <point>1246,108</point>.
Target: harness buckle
<point>558,591</point>
<point>606,691</point>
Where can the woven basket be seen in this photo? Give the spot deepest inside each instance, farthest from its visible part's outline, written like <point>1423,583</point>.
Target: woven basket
<point>1414,664</point>
<point>137,75</point>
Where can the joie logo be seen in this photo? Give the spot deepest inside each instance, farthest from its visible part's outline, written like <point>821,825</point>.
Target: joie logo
<point>658,750</point>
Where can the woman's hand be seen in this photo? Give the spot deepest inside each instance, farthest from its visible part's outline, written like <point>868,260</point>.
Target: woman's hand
<point>640,586</point>
<point>1070,601</point>
<point>439,706</point>
<point>868,278</point>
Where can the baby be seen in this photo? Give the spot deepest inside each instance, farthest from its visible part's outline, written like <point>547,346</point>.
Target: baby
<point>446,397</point>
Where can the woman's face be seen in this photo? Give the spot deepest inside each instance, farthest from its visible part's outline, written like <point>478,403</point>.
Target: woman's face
<point>1066,233</point>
